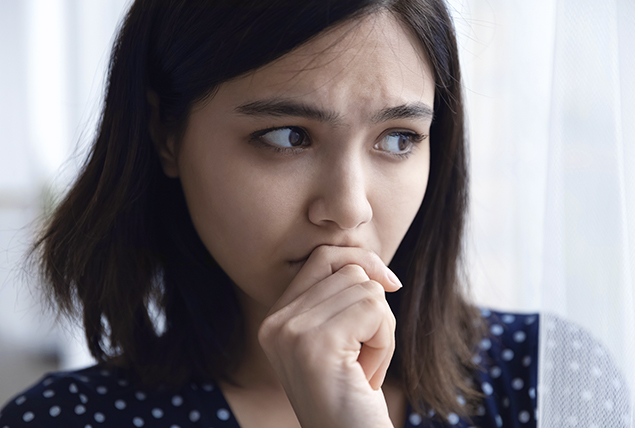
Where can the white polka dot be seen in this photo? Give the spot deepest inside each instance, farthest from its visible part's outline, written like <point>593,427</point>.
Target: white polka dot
<point>104,373</point>
<point>72,388</point>
<point>453,419</point>
<point>122,382</point>
<point>477,359</point>
<point>47,382</point>
<point>485,312</point>
<point>140,395</point>
<point>195,415</point>
<point>574,366</point>
<point>99,417</point>
<point>48,393</point>
<point>486,344</point>
<point>524,416</point>
<point>530,320</point>
<point>506,402</point>
<point>207,387</point>
<point>83,398</point>
<point>519,336</point>
<point>21,399</point>
<point>495,372</point>
<point>157,413</point>
<point>532,393</point>
<point>526,361</point>
<point>499,421</point>
<point>431,413</point>
<point>88,426</point>
<point>102,390</point>
<point>28,417</point>
<point>507,354</point>
<point>80,410</point>
<point>137,421</point>
<point>496,329</point>
<point>414,419</point>
<point>223,414</point>
<point>487,388</point>
<point>55,411</point>
<point>518,384</point>
<point>120,404</point>
<point>84,379</point>
<point>177,400</point>
<point>596,372</point>
<point>480,411</point>
<point>508,318</point>
<point>461,400</point>
<point>586,395</point>
<point>174,426</point>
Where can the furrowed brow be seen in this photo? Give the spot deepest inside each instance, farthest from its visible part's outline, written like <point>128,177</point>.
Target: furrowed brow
<point>280,107</point>
<point>404,111</point>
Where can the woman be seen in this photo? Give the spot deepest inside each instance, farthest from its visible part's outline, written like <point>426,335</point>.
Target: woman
<point>257,167</point>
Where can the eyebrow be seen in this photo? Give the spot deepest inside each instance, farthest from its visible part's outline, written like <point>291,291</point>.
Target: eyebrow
<point>278,107</point>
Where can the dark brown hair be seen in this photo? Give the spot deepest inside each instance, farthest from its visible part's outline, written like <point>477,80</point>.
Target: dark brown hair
<point>121,240</point>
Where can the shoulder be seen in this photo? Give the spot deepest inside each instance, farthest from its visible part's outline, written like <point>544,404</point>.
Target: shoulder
<point>98,397</point>
<point>508,375</point>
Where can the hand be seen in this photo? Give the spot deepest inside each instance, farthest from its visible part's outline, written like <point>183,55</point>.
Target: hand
<point>330,338</point>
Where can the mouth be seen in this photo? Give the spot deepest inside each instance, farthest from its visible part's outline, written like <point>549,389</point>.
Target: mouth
<point>298,262</point>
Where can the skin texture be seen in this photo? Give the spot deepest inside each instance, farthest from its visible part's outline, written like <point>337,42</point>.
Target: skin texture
<point>306,232</point>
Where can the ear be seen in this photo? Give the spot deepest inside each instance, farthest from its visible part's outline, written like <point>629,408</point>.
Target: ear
<point>163,144</point>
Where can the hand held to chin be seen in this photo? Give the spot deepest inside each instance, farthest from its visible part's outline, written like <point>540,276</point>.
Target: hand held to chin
<point>330,339</point>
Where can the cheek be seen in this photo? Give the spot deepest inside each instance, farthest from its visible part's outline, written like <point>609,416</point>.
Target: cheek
<point>243,216</point>
<point>400,203</point>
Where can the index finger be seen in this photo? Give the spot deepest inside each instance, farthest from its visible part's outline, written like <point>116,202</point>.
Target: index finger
<point>325,260</point>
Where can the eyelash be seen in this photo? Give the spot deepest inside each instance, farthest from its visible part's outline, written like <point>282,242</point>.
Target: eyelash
<point>256,138</point>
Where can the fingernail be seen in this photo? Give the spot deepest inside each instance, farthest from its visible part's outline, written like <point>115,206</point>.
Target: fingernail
<point>393,278</point>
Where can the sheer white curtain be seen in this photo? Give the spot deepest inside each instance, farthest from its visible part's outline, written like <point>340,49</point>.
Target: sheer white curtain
<point>551,90</point>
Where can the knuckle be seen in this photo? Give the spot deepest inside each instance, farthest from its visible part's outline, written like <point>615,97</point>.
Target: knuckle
<point>355,272</point>
<point>374,288</point>
<point>371,304</point>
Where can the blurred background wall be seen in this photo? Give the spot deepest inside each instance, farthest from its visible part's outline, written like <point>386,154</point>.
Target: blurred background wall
<point>53,56</point>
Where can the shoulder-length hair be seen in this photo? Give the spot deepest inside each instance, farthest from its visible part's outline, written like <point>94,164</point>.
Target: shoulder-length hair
<point>120,247</point>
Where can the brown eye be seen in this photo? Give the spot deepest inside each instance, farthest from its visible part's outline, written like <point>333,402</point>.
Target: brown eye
<point>398,142</point>
<point>285,137</point>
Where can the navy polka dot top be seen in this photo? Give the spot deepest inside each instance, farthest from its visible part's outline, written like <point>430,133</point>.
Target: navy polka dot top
<point>99,398</point>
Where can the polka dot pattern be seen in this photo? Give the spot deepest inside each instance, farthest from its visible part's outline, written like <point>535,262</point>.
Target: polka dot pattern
<point>94,398</point>
<point>508,376</point>
<point>508,357</point>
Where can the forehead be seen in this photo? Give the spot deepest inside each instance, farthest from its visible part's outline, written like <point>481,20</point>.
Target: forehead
<point>360,65</point>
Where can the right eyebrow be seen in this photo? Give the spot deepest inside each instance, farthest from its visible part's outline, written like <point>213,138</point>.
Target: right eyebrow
<point>278,107</point>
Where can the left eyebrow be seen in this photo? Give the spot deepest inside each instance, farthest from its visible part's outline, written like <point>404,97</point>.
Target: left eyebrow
<point>404,111</point>
<point>280,107</point>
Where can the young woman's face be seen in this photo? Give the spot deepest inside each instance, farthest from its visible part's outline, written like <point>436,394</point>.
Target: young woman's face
<point>327,145</point>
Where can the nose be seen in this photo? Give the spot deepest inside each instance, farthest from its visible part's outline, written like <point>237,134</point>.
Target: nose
<point>341,195</point>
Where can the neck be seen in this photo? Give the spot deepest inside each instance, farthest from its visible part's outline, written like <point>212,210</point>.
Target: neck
<point>254,370</point>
